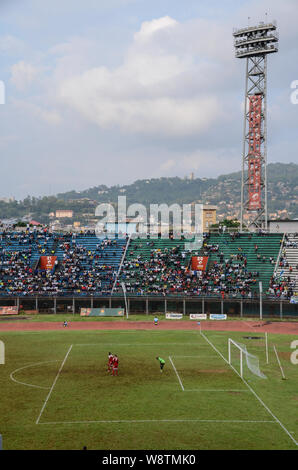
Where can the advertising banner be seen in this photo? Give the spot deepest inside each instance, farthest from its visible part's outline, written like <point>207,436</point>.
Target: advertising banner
<point>217,316</point>
<point>174,316</point>
<point>47,262</point>
<point>254,152</point>
<point>102,312</point>
<point>198,316</point>
<point>199,263</point>
<point>9,310</point>
<point>254,179</point>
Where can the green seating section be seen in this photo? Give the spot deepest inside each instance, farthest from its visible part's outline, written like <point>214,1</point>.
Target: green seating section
<point>268,246</point>
<point>147,250</point>
<point>144,247</point>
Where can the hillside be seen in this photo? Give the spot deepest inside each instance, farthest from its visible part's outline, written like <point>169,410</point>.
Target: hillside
<point>223,191</point>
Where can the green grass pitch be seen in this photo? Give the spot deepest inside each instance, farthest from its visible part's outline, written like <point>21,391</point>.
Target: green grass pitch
<point>56,392</point>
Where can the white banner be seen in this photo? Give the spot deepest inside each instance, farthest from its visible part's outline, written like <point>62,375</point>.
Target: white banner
<point>174,316</point>
<point>198,316</point>
<point>217,316</point>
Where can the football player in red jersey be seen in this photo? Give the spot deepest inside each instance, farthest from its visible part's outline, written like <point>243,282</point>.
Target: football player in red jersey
<point>110,362</point>
<point>115,364</point>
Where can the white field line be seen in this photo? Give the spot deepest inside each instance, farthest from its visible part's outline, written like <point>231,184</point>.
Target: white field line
<point>26,367</point>
<point>253,392</point>
<point>197,356</point>
<point>198,389</point>
<point>216,390</point>
<point>176,373</point>
<point>54,383</point>
<point>135,344</point>
<point>161,421</point>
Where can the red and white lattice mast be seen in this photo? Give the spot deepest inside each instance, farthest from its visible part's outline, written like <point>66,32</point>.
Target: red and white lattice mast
<point>254,43</point>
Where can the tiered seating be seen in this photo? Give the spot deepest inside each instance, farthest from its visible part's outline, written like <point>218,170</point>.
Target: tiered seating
<point>32,245</point>
<point>257,249</point>
<point>151,266</point>
<point>285,279</point>
<point>102,251</point>
<point>86,264</point>
<point>144,247</point>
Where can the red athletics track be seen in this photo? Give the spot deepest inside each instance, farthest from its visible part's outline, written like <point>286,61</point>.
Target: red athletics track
<point>288,328</point>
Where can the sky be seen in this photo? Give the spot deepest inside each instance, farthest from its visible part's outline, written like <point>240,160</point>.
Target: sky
<point>111,91</point>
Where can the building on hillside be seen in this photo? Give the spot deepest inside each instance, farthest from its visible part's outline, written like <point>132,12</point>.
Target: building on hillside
<point>209,216</point>
<point>34,223</point>
<point>65,213</point>
<point>7,199</point>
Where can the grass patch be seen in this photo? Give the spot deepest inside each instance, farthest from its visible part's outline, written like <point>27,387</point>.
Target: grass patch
<point>198,402</point>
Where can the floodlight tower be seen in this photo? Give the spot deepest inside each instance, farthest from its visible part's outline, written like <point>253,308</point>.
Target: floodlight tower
<point>254,43</point>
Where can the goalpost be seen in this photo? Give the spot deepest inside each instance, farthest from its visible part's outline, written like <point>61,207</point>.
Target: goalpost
<point>245,358</point>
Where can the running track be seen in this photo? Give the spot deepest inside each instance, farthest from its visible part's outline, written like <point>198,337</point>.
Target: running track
<point>289,328</point>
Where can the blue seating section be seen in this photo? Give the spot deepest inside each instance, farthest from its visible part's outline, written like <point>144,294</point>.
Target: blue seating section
<point>32,246</point>
<point>109,254</point>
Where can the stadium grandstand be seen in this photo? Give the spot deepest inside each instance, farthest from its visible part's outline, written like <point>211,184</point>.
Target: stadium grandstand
<point>39,263</point>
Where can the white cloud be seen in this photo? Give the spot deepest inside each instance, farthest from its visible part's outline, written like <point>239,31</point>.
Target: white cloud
<point>148,28</point>
<point>23,75</point>
<point>148,93</point>
<point>49,116</point>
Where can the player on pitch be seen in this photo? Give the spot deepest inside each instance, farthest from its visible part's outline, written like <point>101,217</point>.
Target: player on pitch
<point>161,363</point>
<point>115,364</point>
<point>110,362</point>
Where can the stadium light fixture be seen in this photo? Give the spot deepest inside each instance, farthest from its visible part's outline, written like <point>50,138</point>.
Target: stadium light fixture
<point>254,43</point>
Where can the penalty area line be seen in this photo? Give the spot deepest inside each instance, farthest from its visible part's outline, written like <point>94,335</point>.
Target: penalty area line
<point>181,384</point>
<point>53,385</point>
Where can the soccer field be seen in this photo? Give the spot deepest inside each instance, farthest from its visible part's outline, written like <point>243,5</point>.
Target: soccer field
<point>56,392</point>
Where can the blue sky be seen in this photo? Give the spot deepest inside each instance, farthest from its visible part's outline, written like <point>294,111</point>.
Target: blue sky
<point>107,92</point>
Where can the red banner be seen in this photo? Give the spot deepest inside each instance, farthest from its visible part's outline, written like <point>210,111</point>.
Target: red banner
<point>254,152</point>
<point>9,310</point>
<point>199,263</point>
<point>47,262</point>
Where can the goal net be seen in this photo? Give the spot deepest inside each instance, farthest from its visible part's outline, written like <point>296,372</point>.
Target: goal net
<point>240,358</point>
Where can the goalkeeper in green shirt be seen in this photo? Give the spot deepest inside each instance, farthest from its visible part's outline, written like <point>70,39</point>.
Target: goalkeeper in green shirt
<point>161,363</point>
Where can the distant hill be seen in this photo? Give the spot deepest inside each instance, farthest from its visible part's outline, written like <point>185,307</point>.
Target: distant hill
<point>223,191</point>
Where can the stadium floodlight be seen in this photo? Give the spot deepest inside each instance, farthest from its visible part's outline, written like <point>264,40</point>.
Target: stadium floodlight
<point>254,43</point>
<point>251,361</point>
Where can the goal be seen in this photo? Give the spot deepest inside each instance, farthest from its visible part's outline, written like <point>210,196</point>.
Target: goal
<point>240,358</point>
